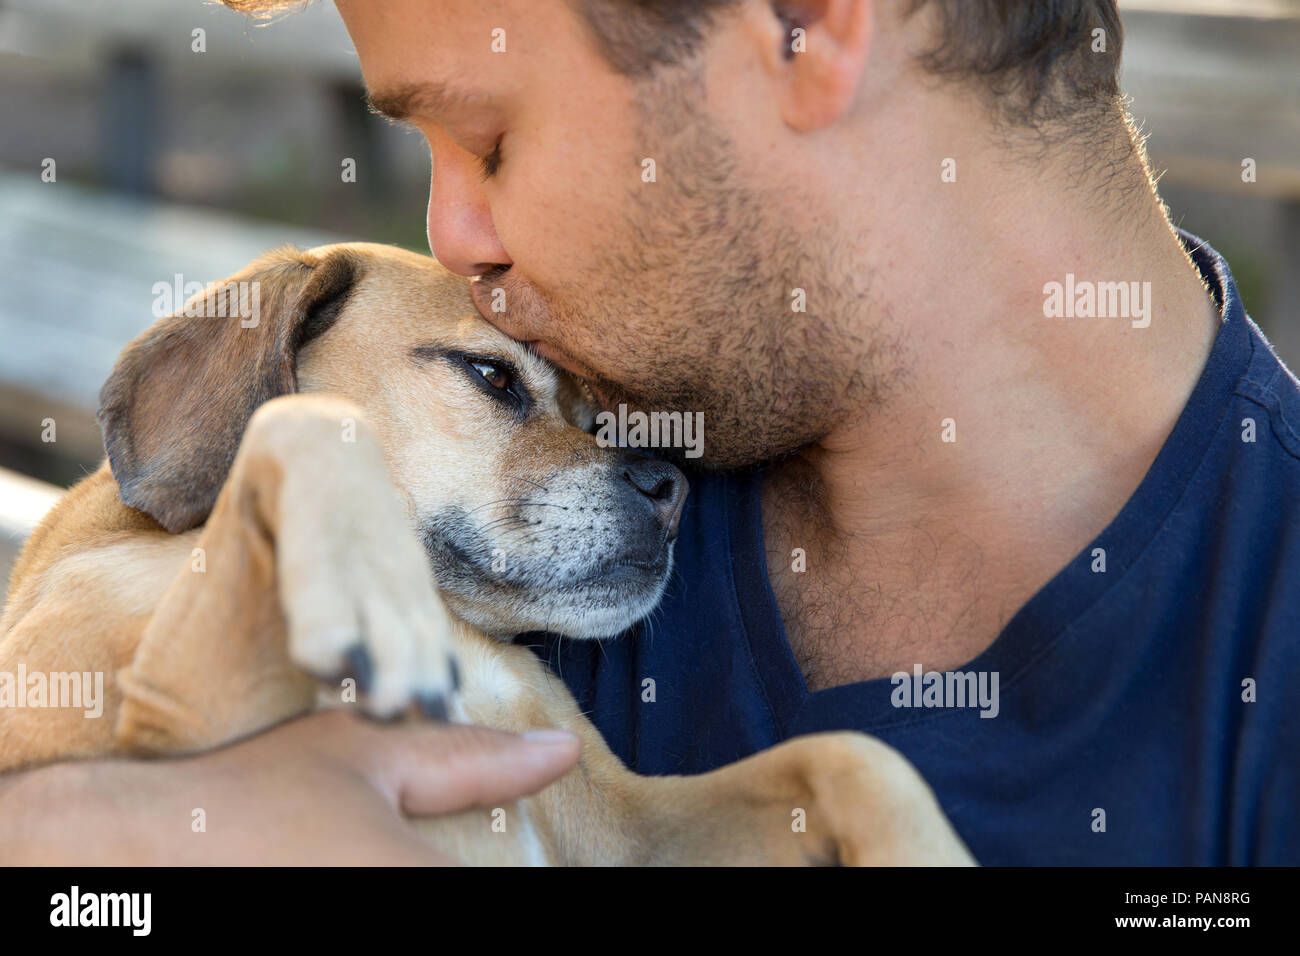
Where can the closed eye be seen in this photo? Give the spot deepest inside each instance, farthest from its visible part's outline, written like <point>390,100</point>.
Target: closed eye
<point>490,163</point>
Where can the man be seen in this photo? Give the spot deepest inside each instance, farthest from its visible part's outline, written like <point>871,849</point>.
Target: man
<point>908,256</point>
<point>971,405</point>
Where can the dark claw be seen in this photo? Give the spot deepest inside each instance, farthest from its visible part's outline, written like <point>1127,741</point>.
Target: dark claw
<point>455,673</point>
<point>359,667</point>
<point>434,707</point>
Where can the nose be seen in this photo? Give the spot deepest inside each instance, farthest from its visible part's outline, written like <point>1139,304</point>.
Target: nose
<point>462,235</point>
<point>661,484</point>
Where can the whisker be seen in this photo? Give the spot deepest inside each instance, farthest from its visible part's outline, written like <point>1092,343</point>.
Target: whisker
<point>529,480</point>
<point>499,501</point>
<point>509,522</point>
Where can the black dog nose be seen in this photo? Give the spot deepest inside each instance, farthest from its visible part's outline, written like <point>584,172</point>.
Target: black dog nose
<point>662,483</point>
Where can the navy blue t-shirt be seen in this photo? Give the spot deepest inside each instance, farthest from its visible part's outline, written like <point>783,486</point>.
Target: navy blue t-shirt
<point>1122,691</point>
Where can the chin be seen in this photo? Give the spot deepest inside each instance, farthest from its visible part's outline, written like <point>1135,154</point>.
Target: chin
<point>588,610</point>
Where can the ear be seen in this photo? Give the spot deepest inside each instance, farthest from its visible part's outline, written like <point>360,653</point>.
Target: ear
<point>174,410</point>
<point>816,51</point>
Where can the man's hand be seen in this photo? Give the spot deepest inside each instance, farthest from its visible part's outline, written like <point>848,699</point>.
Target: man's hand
<point>329,788</point>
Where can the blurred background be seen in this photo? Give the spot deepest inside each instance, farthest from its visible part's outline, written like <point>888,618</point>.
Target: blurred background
<point>186,140</point>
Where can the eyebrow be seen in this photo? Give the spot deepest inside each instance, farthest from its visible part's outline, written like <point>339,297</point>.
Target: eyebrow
<point>409,99</point>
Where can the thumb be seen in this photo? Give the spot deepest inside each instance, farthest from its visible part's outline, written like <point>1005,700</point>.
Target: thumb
<point>430,769</point>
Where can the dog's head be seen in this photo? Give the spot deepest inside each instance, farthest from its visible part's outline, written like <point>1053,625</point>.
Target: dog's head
<point>529,524</point>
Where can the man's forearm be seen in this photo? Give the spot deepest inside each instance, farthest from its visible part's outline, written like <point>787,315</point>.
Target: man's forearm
<point>322,789</point>
<point>65,814</point>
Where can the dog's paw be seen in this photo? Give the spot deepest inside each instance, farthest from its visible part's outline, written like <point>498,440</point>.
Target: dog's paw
<point>827,799</point>
<point>360,602</point>
<point>869,806</point>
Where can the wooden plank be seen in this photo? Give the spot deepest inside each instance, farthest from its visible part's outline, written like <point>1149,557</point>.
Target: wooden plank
<point>80,271</point>
<point>23,502</point>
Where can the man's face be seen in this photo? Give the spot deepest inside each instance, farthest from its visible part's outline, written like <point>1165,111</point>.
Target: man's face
<point>675,291</point>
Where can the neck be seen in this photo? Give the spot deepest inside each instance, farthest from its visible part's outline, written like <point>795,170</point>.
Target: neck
<point>1012,439</point>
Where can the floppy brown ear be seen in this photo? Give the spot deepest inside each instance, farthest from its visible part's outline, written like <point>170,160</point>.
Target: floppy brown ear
<point>174,410</point>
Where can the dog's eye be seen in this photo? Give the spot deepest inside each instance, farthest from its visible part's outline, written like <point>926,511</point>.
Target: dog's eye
<point>494,375</point>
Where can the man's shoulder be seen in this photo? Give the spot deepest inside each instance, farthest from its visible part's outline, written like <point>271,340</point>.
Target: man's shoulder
<point>1269,384</point>
<point>1258,375</point>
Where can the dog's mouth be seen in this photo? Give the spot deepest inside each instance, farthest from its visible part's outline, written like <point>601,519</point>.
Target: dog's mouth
<point>624,571</point>
<point>462,553</point>
<point>535,589</point>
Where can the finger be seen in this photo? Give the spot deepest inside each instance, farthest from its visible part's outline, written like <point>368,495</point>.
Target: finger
<point>430,769</point>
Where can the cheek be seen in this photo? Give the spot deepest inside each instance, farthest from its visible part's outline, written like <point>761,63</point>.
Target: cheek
<point>540,451</point>
<point>437,470</point>
<point>442,449</point>
<point>558,205</point>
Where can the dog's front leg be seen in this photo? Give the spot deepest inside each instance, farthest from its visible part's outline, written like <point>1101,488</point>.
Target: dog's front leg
<point>308,567</point>
<point>841,797</point>
<point>831,798</point>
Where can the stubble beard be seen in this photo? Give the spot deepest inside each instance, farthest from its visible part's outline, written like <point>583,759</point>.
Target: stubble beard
<point>691,309</point>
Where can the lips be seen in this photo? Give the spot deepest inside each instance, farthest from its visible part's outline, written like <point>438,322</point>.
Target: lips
<point>480,292</point>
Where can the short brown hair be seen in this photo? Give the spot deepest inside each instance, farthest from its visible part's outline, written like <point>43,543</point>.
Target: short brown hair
<point>1040,58</point>
<point>1045,60</point>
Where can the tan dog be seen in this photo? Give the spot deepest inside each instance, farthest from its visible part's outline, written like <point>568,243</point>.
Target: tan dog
<point>278,493</point>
